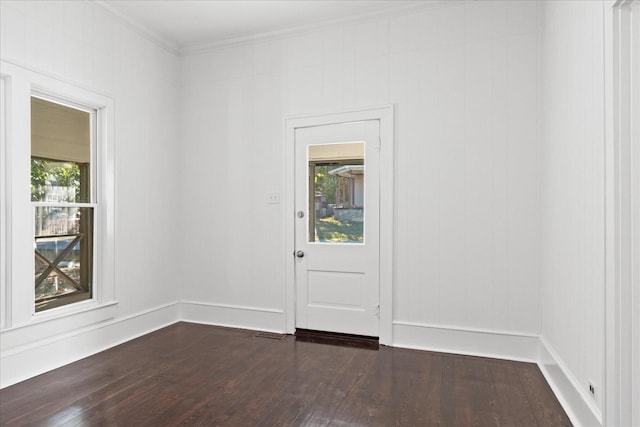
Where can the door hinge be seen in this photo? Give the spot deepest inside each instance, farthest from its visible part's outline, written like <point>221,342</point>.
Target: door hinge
<point>379,143</point>
<point>377,311</point>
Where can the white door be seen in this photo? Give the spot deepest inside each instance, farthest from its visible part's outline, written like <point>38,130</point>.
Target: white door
<point>337,279</point>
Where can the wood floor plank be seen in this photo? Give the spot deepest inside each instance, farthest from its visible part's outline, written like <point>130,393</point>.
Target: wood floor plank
<point>191,375</point>
<point>512,407</point>
<point>545,407</point>
<point>369,401</point>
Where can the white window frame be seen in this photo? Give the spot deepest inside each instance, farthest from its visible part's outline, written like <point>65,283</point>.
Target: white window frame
<point>93,182</point>
<point>20,85</point>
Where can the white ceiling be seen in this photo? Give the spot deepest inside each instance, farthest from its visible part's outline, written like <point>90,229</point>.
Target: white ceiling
<point>185,25</point>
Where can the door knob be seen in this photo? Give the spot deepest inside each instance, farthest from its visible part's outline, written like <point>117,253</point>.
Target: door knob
<point>299,254</point>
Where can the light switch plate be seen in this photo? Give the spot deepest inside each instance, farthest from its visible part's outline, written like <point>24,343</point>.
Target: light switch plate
<point>273,197</point>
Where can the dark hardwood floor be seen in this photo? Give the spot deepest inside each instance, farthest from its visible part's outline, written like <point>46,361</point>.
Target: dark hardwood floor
<point>197,375</point>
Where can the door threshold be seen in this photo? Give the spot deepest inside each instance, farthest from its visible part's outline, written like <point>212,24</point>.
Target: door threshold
<point>336,338</point>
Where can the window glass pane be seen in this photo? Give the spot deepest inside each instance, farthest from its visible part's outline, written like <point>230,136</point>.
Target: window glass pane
<point>60,153</point>
<point>336,193</point>
<point>58,182</point>
<point>63,255</point>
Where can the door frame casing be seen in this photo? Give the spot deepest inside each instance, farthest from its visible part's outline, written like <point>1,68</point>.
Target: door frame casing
<point>622,284</point>
<point>385,116</point>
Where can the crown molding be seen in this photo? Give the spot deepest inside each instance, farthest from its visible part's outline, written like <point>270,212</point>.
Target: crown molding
<point>139,29</point>
<point>303,29</point>
<point>229,42</point>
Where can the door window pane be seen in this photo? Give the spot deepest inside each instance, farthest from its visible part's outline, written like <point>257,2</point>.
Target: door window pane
<point>336,193</point>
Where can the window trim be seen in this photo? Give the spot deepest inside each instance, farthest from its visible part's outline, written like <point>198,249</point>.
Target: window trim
<point>22,84</point>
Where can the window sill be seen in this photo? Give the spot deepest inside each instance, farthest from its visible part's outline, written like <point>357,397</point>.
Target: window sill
<point>58,321</point>
<point>69,310</point>
<point>45,305</point>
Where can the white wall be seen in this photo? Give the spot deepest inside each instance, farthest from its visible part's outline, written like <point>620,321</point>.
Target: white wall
<point>80,42</point>
<point>499,191</point>
<point>464,80</point>
<point>572,205</point>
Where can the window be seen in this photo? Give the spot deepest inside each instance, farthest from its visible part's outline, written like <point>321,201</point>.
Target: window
<point>63,196</point>
<point>58,204</point>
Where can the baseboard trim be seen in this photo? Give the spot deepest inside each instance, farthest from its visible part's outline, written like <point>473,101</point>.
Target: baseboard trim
<point>26,361</point>
<point>580,408</point>
<point>471,342</point>
<point>232,316</point>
